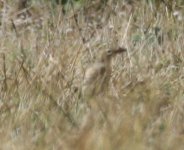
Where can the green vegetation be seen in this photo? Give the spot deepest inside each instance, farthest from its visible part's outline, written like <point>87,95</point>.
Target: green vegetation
<point>43,58</point>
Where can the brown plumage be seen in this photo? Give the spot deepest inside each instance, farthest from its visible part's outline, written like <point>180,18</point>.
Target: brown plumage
<point>96,79</point>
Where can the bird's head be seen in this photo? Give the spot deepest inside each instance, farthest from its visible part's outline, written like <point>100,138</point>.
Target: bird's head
<point>107,55</point>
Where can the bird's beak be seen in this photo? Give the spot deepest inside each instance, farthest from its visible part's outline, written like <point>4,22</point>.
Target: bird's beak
<point>120,50</point>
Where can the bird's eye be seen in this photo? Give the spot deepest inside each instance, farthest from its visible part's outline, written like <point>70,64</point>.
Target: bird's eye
<point>109,52</point>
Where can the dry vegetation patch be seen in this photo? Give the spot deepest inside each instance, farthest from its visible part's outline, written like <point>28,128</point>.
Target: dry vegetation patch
<point>42,66</point>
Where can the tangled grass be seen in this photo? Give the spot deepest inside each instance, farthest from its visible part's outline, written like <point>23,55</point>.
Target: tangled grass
<point>41,71</point>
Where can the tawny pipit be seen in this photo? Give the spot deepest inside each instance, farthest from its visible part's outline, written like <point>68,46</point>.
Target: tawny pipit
<point>96,79</point>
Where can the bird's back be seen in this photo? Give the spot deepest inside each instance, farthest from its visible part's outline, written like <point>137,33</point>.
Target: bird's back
<point>94,80</point>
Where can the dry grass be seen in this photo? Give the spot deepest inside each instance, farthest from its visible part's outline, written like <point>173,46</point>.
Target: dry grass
<point>41,71</point>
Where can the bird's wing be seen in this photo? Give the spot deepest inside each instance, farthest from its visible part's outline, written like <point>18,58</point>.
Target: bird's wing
<point>94,73</point>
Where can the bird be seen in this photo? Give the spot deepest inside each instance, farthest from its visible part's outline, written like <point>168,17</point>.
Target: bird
<point>97,76</point>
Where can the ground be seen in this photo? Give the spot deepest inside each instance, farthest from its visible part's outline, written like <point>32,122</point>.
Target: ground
<point>43,59</point>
